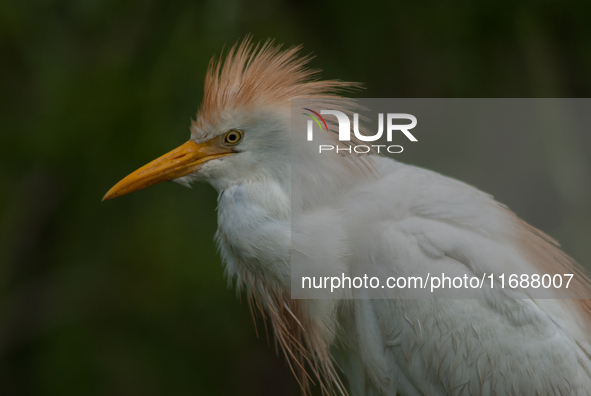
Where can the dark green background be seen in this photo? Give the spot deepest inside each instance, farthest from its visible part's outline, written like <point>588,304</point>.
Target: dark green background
<point>127,297</point>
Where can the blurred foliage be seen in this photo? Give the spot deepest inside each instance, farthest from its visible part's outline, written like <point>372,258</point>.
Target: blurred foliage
<point>127,297</point>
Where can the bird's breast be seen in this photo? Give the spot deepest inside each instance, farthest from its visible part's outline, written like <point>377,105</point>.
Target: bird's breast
<point>254,231</point>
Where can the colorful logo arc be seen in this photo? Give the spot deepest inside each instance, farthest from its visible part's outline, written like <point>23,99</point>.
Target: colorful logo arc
<point>316,119</point>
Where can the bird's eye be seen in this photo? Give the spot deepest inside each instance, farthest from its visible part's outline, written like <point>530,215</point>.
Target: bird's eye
<point>233,137</point>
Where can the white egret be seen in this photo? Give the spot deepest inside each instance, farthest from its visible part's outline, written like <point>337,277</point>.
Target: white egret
<point>240,144</point>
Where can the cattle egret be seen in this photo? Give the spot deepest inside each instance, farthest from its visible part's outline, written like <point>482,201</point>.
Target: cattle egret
<point>240,144</point>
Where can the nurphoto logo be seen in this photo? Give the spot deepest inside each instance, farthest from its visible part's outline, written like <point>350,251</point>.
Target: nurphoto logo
<point>345,131</point>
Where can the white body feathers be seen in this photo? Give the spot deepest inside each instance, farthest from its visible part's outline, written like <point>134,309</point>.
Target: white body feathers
<point>416,347</point>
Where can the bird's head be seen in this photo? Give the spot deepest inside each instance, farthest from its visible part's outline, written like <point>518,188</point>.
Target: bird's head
<point>242,130</point>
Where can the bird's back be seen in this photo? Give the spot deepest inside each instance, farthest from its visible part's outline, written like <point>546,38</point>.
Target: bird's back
<point>494,345</point>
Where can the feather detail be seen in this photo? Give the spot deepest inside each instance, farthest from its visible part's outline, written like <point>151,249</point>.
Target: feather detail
<point>255,75</point>
<point>544,252</point>
<point>302,345</point>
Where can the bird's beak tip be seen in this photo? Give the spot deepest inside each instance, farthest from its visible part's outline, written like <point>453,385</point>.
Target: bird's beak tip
<point>109,195</point>
<point>115,191</point>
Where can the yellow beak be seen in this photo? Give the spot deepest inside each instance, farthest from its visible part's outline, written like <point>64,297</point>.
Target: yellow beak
<point>181,161</point>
